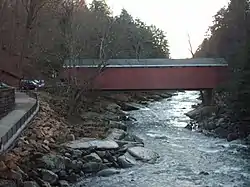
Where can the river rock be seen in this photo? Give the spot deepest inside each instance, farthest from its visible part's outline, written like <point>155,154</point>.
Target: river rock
<point>156,97</point>
<point>7,183</point>
<point>232,137</point>
<point>116,134</point>
<point>67,154</point>
<point>142,153</point>
<point>93,157</point>
<point>63,183</point>
<point>72,177</point>
<point>111,116</point>
<point>24,175</point>
<point>201,112</point>
<point>3,167</point>
<point>48,176</point>
<point>130,106</point>
<point>190,126</point>
<point>133,138</point>
<point>248,139</point>
<point>126,144</point>
<point>87,143</point>
<point>203,173</point>
<point>62,174</point>
<point>107,172</point>
<point>209,125</point>
<point>52,162</point>
<point>75,165</point>
<point>127,118</point>
<point>126,161</point>
<point>165,95</point>
<point>221,132</point>
<point>118,125</point>
<point>76,153</point>
<point>101,153</point>
<point>90,116</point>
<point>207,133</point>
<point>30,184</point>
<point>71,137</point>
<point>92,167</point>
<point>221,120</point>
<point>11,175</point>
<point>42,182</point>
<point>113,107</point>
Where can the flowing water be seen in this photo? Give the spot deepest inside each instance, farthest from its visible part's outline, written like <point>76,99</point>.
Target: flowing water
<point>187,159</point>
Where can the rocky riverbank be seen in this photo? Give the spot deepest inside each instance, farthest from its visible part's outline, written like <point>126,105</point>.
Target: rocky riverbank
<point>212,122</point>
<point>57,151</point>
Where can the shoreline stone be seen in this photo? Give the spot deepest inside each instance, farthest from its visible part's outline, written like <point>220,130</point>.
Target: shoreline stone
<point>144,154</point>
<point>207,122</point>
<point>107,172</point>
<point>87,143</point>
<point>55,151</point>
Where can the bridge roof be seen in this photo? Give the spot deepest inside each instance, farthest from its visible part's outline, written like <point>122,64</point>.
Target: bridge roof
<point>147,62</point>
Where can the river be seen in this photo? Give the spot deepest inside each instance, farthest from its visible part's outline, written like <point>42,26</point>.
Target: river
<point>187,159</point>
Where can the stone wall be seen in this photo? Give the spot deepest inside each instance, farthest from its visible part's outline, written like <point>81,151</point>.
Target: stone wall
<point>7,101</point>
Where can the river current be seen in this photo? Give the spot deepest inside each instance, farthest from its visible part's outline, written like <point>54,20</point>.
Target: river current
<point>187,159</point>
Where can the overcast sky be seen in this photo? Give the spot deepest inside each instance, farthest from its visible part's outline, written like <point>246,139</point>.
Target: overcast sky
<point>176,17</point>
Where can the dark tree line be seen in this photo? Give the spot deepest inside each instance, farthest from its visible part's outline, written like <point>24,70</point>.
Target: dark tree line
<point>229,38</point>
<point>42,33</point>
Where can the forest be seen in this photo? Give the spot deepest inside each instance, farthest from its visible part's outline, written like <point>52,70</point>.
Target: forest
<point>229,38</point>
<point>40,34</point>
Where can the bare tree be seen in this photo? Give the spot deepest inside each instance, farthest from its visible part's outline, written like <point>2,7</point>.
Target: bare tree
<point>190,46</point>
<point>88,83</point>
<point>192,53</point>
<point>32,8</point>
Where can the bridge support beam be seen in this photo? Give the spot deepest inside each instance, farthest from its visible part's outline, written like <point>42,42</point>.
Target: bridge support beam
<point>207,97</point>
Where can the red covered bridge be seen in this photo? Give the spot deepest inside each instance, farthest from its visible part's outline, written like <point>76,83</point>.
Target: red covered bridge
<point>149,74</point>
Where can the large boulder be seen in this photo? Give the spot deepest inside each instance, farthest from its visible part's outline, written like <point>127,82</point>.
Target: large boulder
<point>248,139</point>
<point>116,134</point>
<point>126,144</point>
<point>75,165</point>
<point>133,138</point>
<point>221,132</point>
<point>107,172</point>
<point>126,161</point>
<point>92,167</point>
<point>201,112</point>
<point>93,157</point>
<point>89,143</point>
<point>113,107</point>
<point>111,116</point>
<point>63,183</point>
<point>143,154</point>
<point>52,162</point>
<point>117,125</point>
<point>30,184</point>
<point>232,137</point>
<point>48,176</point>
<point>130,106</point>
<point>155,97</point>
<point>209,125</point>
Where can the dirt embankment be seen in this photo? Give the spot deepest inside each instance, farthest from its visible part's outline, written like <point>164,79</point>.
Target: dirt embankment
<point>40,156</point>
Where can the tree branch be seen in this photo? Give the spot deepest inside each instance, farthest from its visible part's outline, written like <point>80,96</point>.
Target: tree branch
<point>190,46</point>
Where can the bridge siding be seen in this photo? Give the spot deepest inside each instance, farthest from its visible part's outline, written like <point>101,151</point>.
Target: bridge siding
<point>146,62</point>
<point>152,78</point>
